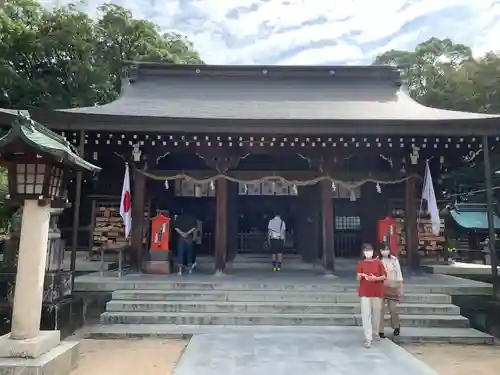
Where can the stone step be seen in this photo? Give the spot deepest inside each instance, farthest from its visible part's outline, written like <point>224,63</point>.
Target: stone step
<point>326,285</point>
<point>263,296</point>
<point>270,307</point>
<point>463,336</point>
<point>447,321</point>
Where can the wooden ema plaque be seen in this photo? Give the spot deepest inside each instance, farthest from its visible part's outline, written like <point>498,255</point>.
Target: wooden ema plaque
<point>429,244</point>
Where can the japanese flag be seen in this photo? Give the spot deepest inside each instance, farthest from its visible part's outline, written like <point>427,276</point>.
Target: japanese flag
<point>125,203</point>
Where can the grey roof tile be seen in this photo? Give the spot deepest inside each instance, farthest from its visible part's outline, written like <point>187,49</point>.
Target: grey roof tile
<point>232,94</point>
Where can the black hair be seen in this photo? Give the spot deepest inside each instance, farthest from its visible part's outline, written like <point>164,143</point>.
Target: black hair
<point>365,246</point>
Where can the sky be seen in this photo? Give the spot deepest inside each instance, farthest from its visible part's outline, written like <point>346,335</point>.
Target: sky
<point>316,32</point>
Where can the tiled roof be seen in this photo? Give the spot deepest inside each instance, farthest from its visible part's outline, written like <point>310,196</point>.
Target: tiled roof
<point>35,135</point>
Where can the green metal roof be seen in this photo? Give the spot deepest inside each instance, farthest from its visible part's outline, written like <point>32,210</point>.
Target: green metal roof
<point>25,130</point>
<point>473,219</point>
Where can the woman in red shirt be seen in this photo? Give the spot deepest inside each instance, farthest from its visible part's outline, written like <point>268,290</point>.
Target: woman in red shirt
<point>371,275</point>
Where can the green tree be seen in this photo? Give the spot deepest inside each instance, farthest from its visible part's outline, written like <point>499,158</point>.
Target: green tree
<point>442,74</point>
<point>432,70</point>
<point>61,58</point>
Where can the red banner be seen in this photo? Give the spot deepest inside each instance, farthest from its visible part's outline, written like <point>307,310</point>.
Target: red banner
<point>160,233</point>
<point>387,226</point>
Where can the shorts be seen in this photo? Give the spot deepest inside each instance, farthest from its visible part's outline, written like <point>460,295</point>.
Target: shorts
<point>276,246</point>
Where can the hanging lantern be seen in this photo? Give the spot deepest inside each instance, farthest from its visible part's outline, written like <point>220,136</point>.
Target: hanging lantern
<point>379,189</point>
<point>334,187</point>
<point>353,196</point>
<point>166,185</point>
<point>212,185</point>
<point>197,190</point>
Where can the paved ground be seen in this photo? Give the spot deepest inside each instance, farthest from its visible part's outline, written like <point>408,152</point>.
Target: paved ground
<point>294,354</point>
<point>408,334</point>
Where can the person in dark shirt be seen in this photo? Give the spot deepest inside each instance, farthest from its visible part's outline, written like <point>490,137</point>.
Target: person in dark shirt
<point>184,226</point>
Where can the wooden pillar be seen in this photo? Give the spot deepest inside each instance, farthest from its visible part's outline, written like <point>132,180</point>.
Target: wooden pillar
<point>327,232</point>
<point>221,238</point>
<point>309,245</point>
<point>302,229</point>
<point>76,210</point>
<point>138,200</point>
<point>411,230</point>
<point>491,222</point>
<point>221,161</point>
<point>232,220</point>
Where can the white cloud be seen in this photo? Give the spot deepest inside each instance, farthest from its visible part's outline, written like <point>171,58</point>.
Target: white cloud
<point>339,53</point>
<point>317,31</point>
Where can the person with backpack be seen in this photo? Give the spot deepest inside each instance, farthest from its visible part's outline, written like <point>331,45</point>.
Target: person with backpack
<point>276,240</point>
<point>393,289</point>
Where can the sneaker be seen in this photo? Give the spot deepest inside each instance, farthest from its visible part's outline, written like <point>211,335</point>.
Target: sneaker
<point>368,344</point>
<point>397,331</point>
<point>275,269</point>
<point>193,266</point>
<point>278,269</point>
<point>381,335</point>
<point>180,271</point>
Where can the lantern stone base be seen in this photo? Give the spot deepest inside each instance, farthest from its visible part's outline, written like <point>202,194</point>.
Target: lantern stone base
<point>61,360</point>
<point>157,267</point>
<point>29,348</point>
<point>44,354</point>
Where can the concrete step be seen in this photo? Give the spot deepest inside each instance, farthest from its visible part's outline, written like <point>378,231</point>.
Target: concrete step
<point>447,321</point>
<point>463,336</point>
<point>263,296</point>
<point>263,262</point>
<point>270,307</point>
<point>278,285</point>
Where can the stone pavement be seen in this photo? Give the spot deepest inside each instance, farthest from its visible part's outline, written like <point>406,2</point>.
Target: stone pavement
<point>294,353</point>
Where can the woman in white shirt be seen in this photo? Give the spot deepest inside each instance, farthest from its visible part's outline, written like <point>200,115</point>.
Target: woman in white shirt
<point>393,290</point>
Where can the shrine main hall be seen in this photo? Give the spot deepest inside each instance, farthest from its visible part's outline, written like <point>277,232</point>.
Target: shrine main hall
<point>334,149</point>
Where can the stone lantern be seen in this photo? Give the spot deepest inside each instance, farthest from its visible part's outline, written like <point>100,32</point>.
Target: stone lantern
<point>38,161</point>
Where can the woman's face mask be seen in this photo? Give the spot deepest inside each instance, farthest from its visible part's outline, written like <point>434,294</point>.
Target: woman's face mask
<point>368,254</point>
<point>385,253</point>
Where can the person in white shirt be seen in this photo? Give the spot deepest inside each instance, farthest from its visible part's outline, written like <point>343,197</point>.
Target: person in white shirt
<point>276,237</point>
<point>393,290</point>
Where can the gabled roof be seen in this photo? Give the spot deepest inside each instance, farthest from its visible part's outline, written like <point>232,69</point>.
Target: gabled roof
<point>220,97</point>
<point>7,116</point>
<point>473,216</point>
<point>36,136</point>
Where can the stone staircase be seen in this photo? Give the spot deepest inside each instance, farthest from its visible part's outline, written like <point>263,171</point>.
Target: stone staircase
<point>177,308</point>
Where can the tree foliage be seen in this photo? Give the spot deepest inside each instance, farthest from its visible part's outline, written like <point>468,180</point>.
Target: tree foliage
<point>61,57</point>
<point>442,74</point>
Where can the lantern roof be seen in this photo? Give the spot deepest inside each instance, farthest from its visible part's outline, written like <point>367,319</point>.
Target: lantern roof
<point>25,130</point>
